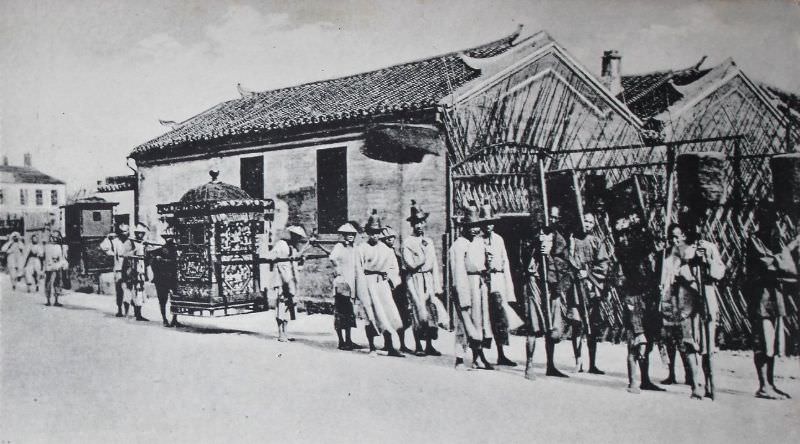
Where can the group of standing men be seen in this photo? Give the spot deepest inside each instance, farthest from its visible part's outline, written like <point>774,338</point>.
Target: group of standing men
<point>38,262</point>
<point>134,264</point>
<point>395,290</point>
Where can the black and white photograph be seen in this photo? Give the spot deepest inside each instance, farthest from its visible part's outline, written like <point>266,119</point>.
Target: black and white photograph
<point>372,221</point>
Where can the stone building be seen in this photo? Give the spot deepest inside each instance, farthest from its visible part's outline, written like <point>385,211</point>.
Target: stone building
<point>30,196</point>
<point>330,151</point>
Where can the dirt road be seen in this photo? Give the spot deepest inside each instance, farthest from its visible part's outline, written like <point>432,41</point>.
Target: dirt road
<point>78,374</point>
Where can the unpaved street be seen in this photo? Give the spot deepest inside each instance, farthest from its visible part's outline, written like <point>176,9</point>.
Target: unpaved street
<point>78,374</point>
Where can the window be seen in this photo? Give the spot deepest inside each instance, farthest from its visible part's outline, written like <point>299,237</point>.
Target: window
<point>23,197</point>
<point>54,197</point>
<point>331,189</point>
<point>1,197</point>
<point>39,198</point>
<point>96,216</point>
<point>251,172</point>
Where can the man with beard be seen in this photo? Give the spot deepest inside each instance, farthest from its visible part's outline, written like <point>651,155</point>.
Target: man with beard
<point>423,282</point>
<point>589,261</point>
<point>637,278</point>
<point>379,272</point>
<point>467,260</point>
<point>684,312</point>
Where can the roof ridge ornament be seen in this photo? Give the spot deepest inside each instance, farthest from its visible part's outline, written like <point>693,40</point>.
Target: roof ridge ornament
<point>214,175</point>
<point>244,92</point>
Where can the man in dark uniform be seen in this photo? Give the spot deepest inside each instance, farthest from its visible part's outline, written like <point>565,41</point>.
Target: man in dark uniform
<point>553,248</point>
<point>164,262</point>
<point>589,261</point>
<point>637,278</point>
<point>772,272</point>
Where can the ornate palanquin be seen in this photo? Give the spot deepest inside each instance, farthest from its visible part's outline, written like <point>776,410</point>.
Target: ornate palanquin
<point>217,228</point>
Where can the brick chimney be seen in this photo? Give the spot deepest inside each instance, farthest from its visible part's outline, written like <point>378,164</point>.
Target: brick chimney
<point>27,160</point>
<point>611,71</point>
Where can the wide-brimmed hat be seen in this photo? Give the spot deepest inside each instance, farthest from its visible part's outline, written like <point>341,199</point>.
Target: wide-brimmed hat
<point>298,231</point>
<point>347,228</point>
<point>485,214</point>
<point>417,215</point>
<point>388,232</point>
<point>373,224</point>
<point>471,216</point>
<point>140,228</point>
<point>14,235</point>
<point>123,228</point>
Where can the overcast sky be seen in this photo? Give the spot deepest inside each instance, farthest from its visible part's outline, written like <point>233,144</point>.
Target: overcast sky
<point>83,82</point>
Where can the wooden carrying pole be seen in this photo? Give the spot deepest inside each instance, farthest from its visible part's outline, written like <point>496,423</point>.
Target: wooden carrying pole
<point>700,177</point>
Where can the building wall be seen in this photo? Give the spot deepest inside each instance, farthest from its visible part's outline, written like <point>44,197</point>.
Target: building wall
<point>36,216</point>
<point>124,199</point>
<point>290,179</point>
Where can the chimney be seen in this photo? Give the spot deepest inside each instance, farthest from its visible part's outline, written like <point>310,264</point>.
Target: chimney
<point>5,161</point>
<point>27,160</point>
<point>611,72</point>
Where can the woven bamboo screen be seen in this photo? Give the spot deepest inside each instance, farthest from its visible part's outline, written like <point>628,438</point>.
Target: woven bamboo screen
<point>547,105</point>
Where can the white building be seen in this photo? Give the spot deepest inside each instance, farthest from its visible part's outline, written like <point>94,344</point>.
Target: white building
<point>30,195</point>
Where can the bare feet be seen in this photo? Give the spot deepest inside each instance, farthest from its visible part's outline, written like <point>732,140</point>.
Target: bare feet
<point>635,390</point>
<point>669,381</point>
<point>596,371</point>
<point>767,393</point>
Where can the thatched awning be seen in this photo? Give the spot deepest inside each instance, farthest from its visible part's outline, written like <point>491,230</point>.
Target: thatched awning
<point>402,143</point>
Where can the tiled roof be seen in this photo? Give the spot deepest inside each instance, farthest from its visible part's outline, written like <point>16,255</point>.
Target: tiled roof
<point>21,174</point>
<point>410,86</point>
<point>650,94</point>
<point>117,183</point>
<point>788,103</point>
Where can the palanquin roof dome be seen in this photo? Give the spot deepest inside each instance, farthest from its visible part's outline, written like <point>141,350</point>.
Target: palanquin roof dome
<point>214,191</point>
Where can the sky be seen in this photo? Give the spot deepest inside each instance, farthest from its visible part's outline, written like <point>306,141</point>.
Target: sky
<point>84,82</point>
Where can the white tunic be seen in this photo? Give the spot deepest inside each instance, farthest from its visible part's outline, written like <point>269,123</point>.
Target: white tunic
<point>424,281</point>
<point>467,261</point>
<point>379,269</point>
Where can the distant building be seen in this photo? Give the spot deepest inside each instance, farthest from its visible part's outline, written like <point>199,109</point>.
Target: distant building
<point>122,190</point>
<point>30,196</point>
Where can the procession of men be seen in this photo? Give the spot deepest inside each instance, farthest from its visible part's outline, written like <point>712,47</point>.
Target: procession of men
<point>668,292</point>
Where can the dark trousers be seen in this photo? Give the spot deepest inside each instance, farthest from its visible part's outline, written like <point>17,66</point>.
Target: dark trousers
<point>118,291</point>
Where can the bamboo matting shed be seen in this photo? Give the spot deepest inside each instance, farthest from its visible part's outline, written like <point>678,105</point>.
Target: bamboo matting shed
<point>721,109</point>
<point>538,111</point>
<point>546,102</point>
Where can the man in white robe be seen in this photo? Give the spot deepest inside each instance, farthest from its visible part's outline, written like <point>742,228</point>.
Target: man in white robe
<point>379,272</point>
<point>15,258</point>
<point>343,257</point>
<point>467,261</point>
<point>423,282</point>
<point>284,277</point>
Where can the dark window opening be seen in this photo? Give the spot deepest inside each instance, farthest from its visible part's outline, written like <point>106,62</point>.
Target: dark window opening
<point>331,189</point>
<point>251,173</point>
<point>54,197</point>
<point>96,216</point>
<point>39,198</point>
